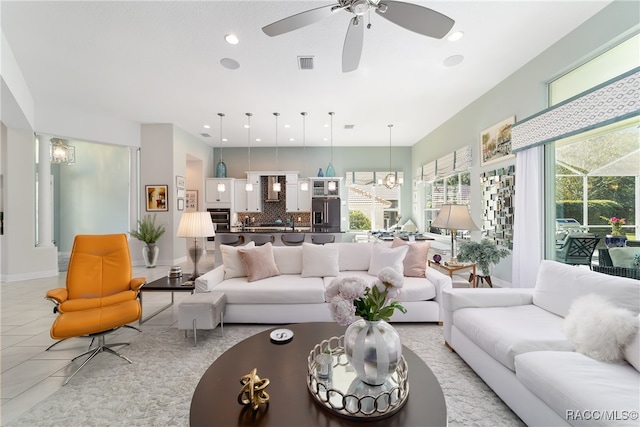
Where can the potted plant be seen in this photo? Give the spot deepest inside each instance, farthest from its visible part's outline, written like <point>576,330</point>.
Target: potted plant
<point>617,238</point>
<point>149,233</point>
<point>484,254</point>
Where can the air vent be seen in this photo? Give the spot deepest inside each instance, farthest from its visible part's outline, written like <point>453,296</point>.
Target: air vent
<point>206,135</point>
<point>349,126</point>
<point>305,62</point>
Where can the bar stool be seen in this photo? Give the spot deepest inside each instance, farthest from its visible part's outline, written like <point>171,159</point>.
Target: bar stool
<point>292,239</point>
<point>261,239</point>
<point>230,239</point>
<point>321,239</point>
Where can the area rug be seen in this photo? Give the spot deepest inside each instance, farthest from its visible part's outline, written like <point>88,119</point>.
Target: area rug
<point>156,389</point>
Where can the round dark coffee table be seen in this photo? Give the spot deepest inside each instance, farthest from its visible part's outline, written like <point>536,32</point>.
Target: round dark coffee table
<point>215,400</point>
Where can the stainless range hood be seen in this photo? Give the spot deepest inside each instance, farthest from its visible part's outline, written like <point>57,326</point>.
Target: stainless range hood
<point>272,196</point>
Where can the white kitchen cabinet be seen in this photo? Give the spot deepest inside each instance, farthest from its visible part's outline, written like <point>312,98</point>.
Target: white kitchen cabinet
<point>211,193</point>
<point>298,200</point>
<point>320,187</point>
<point>247,201</point>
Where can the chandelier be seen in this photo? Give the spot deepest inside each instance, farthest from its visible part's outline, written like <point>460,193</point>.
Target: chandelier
<point>61,152</point>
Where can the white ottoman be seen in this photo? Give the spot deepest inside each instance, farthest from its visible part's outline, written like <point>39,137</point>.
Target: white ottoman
<point>202,310</point>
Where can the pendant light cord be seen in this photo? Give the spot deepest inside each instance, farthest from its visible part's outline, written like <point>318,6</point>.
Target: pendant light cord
<point>304,141</point>
<point>331,113</point>
<point>276,114</point>
<point>249,137</point>
<point>221,116</point>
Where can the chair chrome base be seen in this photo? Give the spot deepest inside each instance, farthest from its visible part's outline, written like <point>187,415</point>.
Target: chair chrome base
<point>93,352</point>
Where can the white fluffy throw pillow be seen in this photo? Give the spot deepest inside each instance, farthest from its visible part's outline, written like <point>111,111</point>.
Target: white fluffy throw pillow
<point>632,349</point>
<point>599,329</point>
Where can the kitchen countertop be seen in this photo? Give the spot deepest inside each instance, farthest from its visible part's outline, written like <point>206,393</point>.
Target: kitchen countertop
<point>270,229</point>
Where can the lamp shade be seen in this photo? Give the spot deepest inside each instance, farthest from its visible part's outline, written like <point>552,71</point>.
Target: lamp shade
<point>454,217</point>
<point>196,224</point>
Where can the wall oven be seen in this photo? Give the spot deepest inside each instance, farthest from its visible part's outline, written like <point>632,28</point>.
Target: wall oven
<point>221,219</point>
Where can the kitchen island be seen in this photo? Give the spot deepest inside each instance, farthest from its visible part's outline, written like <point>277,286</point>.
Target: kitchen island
<point>248,232</point>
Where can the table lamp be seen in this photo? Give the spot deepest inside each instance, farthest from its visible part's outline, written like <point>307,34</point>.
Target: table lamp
<point>196,225</point>
<point>454,217</point>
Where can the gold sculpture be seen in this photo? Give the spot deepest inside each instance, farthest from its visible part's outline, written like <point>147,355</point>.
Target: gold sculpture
<point>253,390</point>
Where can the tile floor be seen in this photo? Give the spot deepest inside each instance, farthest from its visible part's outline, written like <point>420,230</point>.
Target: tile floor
<point>29,374</point>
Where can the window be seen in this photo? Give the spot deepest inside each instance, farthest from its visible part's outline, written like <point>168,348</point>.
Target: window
<point>372,205</point>
<point>596,173</point>
<point>455,188</point>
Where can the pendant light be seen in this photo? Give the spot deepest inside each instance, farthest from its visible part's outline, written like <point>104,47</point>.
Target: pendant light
<point>221,168</point>
<point>249,185</point>
<point>304,185</point>
<point>390,181</point>
<point>331,172</point>
<point>276,184</point>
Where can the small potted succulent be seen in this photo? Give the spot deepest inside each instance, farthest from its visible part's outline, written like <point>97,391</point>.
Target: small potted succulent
<point>484,254</point>
<point>149,233</point>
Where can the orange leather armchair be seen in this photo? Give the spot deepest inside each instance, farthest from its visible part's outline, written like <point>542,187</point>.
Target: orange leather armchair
<point>100,296</point>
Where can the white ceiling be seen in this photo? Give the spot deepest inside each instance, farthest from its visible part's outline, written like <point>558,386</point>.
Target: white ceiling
<point>159,62</point>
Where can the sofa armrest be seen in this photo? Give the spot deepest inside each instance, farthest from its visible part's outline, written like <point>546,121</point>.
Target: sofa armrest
<point>455,299</point>
<point>210,279</point>
<point>441,282</point>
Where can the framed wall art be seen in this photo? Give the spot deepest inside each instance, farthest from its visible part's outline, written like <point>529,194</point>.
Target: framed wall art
<point>180,204</point>
<point>192,199</point>
<point>495,142</point>
<point>180,182</point>
<point>157,200</point>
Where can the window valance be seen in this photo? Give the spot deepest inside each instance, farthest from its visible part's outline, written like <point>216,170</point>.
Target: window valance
<point>609,102</point>
<point>457,161</point>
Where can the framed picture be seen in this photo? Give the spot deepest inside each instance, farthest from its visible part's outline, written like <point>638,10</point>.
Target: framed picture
<point>157,198</point>
<point>180,182</point>
<point>495,142</point>
<point>192,199</point>
<point>180,204</point>
<point>181,193</point>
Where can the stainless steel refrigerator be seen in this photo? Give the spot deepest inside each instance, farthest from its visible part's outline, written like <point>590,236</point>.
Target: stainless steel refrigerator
<point>325,215</point>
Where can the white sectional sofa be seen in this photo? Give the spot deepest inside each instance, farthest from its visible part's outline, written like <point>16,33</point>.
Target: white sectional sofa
<point>514,340</point>
<point>294,292</point>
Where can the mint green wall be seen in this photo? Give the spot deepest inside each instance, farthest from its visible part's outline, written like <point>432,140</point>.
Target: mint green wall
<point>93,193</point>
<point>523,94</point>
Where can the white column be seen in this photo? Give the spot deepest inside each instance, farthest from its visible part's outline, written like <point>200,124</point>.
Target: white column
<point>134,187</point>
<point>45,205</point>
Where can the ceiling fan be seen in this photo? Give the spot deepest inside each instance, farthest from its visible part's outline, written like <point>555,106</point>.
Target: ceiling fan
<point>413,17</point>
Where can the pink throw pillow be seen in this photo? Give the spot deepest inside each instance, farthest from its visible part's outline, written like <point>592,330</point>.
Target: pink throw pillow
<point>415,261</point>
<point>259,262</point>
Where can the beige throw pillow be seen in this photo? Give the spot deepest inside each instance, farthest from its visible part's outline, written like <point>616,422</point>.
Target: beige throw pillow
<point>259,262</point>
<point>233,266</point>
<point>415,261</point>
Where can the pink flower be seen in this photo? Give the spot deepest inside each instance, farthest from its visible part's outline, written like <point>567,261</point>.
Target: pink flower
<point>391,277</point>
<point>342,310</point>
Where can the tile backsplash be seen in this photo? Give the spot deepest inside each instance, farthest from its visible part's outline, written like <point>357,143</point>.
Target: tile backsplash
<point>272,211</point>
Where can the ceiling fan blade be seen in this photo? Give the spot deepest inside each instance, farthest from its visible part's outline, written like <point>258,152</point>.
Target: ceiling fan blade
<point>418,19</point>
<point>299,20</point>
<point>352,50</point>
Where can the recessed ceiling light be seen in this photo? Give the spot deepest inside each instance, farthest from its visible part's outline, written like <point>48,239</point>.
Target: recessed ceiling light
<point>229,63</point>
<point>225,140</point>
<point>453,60</point>
<point>258,139</point>
<point>246,126</point>
<point>292,139</point>
<point>287,126</point>
<point>325,139</point>
<point>326,125</point>
<point>206,127</point>
<point>455,36</point>
<point>231,39</point>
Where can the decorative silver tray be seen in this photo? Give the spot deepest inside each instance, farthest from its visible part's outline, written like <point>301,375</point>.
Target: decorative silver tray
<point>342,393</point>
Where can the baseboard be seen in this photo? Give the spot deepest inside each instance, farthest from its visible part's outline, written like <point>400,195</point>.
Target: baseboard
<point>28,276</point>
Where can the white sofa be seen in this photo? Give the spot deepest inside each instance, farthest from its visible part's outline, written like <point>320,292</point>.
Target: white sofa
<point>297,294</point>
<point>513,339</point>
